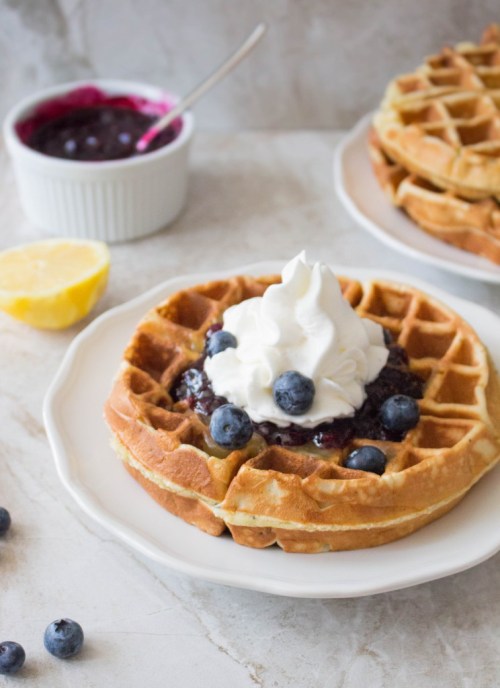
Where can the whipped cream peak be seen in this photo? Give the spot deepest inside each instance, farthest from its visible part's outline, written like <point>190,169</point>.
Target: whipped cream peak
<point>302,324</point>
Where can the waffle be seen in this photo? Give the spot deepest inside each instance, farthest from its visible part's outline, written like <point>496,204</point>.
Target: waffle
<point>303,498</point>
<point>470,225</point>
<point>442,122</point>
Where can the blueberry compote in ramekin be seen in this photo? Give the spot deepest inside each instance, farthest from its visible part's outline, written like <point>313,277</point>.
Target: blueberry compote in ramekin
<point>77,171</point>
<point>88,124</point>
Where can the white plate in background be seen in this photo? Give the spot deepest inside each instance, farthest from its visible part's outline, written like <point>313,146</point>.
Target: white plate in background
<point>97,480</point>
<point>361,195</point>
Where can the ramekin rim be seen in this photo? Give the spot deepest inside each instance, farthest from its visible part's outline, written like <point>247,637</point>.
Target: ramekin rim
<point>16,146</point>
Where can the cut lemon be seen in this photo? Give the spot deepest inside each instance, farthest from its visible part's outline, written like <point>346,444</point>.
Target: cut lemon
<point>51,284</point>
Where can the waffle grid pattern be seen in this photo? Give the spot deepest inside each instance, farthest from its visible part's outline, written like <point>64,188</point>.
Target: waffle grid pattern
<point>470,225</point>
<point>443,121</point>
<point>271,487</point>
<point>435,147</point>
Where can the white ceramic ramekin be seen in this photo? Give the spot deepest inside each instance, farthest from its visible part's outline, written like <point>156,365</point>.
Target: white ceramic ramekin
<point>114,200</point>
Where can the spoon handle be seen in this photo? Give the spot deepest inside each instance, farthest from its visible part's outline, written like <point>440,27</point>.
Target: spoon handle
<point>228,65</point>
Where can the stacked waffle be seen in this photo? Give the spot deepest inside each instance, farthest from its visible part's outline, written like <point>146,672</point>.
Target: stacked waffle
<point>435,145</point>
<point>303,498</point>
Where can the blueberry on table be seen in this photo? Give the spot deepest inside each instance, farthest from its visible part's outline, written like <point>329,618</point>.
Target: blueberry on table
<point>367,458</point>
<point>293,392</point>
<point>231,426</point>
<point>12,656</point>
<point>63,638</point>
<point>220,341</point>
<point>4,520</point>
<point>399,413</point>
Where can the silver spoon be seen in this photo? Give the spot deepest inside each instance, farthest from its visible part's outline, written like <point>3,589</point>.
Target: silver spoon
<point>227,66</point>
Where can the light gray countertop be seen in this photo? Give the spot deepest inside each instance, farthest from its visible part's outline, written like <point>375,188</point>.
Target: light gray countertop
<point>254,196</point>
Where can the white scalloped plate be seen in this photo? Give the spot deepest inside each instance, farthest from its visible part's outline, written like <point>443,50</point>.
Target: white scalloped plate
<point>94,476</point>
<point>363,198</point>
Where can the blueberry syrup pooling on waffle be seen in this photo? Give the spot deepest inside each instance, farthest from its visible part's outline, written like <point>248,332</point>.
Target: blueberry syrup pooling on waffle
<point>91,126</point>
<point>395,378</point>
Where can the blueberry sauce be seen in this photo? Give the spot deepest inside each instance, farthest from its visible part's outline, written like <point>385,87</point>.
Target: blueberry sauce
<point>90,125</point>
<point>194,387</point>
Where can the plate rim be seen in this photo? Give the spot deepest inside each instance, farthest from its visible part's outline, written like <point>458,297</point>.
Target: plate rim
<point>339,156</point>
<point>89,504</point>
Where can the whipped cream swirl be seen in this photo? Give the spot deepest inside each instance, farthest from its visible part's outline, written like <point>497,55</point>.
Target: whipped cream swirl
<point>302,324</point>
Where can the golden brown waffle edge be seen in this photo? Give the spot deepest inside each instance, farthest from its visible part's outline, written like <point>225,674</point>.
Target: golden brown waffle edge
<point>306,501</point>
<point>473,226</point>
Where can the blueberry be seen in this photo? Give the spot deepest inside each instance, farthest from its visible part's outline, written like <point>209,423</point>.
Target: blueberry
<point>334,435</point>
<point>63,638</point>
<point>293,392</point>
<point>124,137</point>
<point>231,426</point>
<point>220,341</point>
<point>12,656</point>
<point>399,413</point>
<point>70,146</point>
<point>367,458</point>
<point>190,383</point>
<point>4,520</point>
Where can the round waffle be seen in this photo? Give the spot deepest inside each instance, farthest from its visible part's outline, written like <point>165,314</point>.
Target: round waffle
<point>442,122</point>
<point>303,498</point>
<point>470,225</point>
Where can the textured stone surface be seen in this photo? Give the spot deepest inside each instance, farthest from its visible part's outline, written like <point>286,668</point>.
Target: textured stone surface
<point>323,64</point>
<point>253,196</point>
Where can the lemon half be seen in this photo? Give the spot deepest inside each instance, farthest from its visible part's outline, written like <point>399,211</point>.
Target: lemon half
<point>51,284</point>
